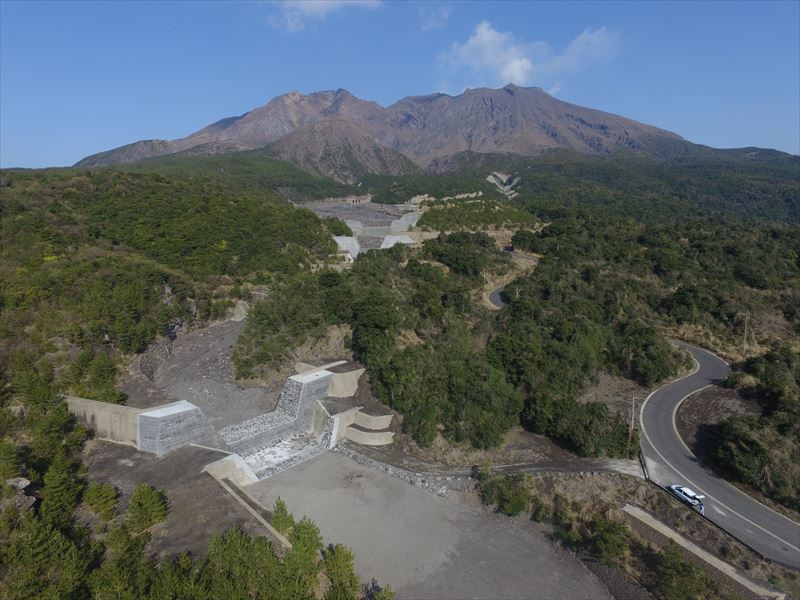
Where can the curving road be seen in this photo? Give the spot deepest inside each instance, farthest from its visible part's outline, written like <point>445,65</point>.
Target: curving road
<point>496,296</point>
<point>669,461</point>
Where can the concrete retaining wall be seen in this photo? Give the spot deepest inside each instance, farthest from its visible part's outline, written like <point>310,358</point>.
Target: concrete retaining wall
<point>372,421</point>
<point>321,418</point>
<point>111,422</point>
<point>344,385</point>
<point>368,438</point>
<point>658,534</point>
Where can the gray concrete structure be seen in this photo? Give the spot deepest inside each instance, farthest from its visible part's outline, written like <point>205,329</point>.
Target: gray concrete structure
<point>172,426</point>
<point>393,240</point>
<point>157,430</point>
<point>300,427</point>
<point>348,246</point>
<point>112,422</point>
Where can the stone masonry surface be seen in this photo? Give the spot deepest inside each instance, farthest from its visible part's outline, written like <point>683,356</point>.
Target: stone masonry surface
<point>172,426</point>
<point>277,440</point>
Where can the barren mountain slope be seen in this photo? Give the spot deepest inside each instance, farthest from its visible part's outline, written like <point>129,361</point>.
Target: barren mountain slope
<point>341,150</point>
<point>512,119</point>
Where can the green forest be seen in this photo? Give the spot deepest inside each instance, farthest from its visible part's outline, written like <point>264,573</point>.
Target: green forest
<point>93,266</point>
<point>764,453</point>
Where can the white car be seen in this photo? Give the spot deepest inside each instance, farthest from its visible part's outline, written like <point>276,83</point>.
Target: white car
<point>687,496</point>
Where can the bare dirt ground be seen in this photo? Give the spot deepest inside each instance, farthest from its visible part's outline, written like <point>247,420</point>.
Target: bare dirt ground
<point>423,545</point>
<point>518,446</point>
<point>608,492</point>
<point>199,368</point>
<point>709,407</point>
<point>616,393</point>
<point>520,450</point>
<point>199,507</point>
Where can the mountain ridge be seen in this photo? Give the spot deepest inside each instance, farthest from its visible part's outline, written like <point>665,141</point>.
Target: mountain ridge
<point>426,129</point>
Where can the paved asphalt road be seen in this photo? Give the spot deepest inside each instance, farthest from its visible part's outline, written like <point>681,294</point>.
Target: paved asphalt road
<point>496,298</point>
<point>669,461</point>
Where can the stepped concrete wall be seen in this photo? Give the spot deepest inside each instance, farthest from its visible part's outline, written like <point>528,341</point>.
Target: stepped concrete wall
<point>368,438</point>
<point>372,421</point>
<point>294,414</point>
<point>111,422</point>
<point>172,426</point>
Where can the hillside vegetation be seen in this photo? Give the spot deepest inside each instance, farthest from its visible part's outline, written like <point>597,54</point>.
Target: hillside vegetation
<point>764,453</point>
<point>93,266</point>
<point>752,183</point>
<point>618,276</point>
<point>255,173</point>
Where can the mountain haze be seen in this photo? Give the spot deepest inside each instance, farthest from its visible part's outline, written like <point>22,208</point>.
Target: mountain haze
<point>512,119</point>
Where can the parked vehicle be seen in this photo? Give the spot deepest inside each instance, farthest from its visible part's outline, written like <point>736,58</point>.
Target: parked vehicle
<point>687,496</point>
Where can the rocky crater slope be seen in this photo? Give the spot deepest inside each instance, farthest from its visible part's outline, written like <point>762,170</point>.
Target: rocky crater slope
<point>512,119</point>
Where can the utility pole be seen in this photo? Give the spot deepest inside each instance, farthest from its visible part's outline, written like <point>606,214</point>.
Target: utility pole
<point>744,335</point>
<point>633,411</point>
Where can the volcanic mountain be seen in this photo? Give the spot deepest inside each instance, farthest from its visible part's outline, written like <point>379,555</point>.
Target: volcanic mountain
<point>341,150</point>
<point>512,119</point>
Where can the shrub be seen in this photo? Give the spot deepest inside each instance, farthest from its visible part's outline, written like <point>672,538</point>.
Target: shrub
<point>101,498</point>
<point>539,510</point>
<point>608,540</point>
<point>148,507</point>
<point>282,519</point>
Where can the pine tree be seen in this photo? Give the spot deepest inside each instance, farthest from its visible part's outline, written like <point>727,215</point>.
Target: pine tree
<point>126,572</point>
<point>302,560</point>
<point>344,584</point>
<point>101,498</point>
<point>41,562</point>
<point>282,519</point>
<point>148,507</point>
<point>60,494</point>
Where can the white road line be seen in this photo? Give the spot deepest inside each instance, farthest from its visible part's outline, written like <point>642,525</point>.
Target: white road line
<point>678,435</point>
<point>649,441</point>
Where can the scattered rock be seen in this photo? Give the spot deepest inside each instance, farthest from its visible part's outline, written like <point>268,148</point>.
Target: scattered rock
<point>18,483</point>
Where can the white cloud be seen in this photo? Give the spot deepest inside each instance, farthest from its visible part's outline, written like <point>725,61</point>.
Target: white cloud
<point>435,16</point>
<point>554,89</point>
<point>497,57</point>
<point>294,15</point>
<point>589,46</point>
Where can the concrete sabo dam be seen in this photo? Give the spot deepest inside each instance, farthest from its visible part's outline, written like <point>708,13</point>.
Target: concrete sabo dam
<point>304,424</point>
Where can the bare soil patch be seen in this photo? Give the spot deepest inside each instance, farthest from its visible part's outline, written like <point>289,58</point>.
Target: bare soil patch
<point>709,407</point>
<point>199,507</point>
<point>519,446</point>
<point>616,393</point>
<point>608,492</point>
<point>423,545</point>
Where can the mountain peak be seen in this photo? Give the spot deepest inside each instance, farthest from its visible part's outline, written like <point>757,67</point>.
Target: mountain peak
<point>511,119</point>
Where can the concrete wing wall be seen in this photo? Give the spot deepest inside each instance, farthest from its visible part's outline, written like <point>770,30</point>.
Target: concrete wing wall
<point>109,421</point>
<point>344,385</point>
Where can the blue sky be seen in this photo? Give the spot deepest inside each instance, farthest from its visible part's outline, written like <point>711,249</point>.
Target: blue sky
<point>78,78</point>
